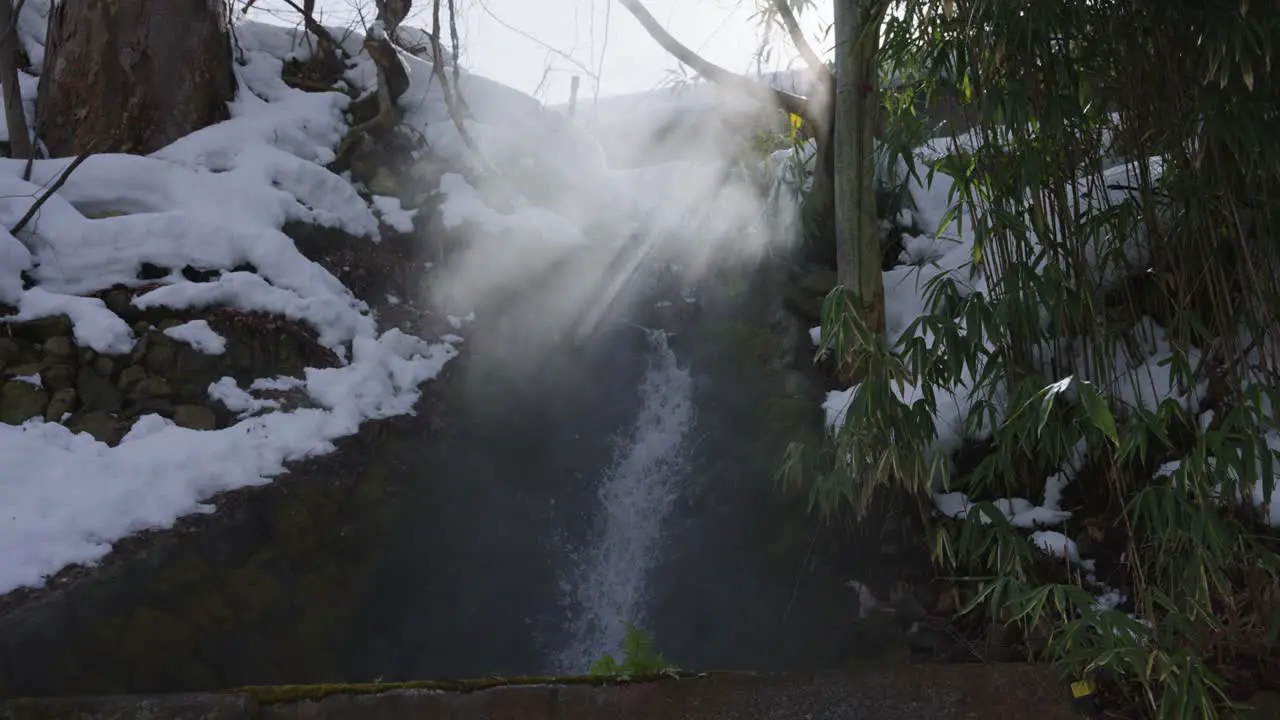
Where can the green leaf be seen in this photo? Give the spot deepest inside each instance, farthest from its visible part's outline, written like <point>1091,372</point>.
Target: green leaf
<point>1095,408</point>
<point>1046,401</point>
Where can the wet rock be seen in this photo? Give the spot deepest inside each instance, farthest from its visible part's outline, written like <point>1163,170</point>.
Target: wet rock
<point>162,406</point>
<point>200,275</point>
<point>120,302</point>
<point>152,387</point>
<point>151,271</point>
<point>86,355</point>
<point>239,354</point>
<point>195,417</point>
<point>62,402</point>
<point>142,331</point>
<point>105,366</point>
<point>59,377</point>
<point>103,426</point>
<point>20,401</point>
<point>42,329</point>
<point>169,324</point>
<point>130,378</point>
<point>160,357</point>
<point>59,347</point>
<point>28,369</point>
<point>190,360</point>
<point>10,350</point>
<point>96,392</point>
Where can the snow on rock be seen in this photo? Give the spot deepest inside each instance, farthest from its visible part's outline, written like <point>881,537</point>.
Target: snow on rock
<point>335,317</point>
<point>389,211</point>
<point>1057,545</point>
<point>94,325</point>
<point>1020,512</point>
<point>215,200</point>
<point>200,336</point>
<point>227,392</point>
<point>67,497</point>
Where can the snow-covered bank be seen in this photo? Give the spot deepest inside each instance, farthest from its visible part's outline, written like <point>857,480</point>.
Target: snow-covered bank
<point>214,201</point>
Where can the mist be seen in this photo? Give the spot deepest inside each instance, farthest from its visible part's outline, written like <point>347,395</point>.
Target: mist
<point>587,222</point>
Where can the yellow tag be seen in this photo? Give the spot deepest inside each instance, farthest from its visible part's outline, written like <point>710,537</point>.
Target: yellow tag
<point>797,122</point>
<point>1081,688</point>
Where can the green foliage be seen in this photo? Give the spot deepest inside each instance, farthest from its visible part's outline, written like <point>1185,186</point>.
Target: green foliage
<point>638,658</point>
<point>1115,322</point>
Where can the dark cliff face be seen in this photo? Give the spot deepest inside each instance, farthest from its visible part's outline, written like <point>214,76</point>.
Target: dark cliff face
<point>439,544</point>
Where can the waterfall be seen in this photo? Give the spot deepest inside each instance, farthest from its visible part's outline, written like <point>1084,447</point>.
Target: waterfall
<point>606,586</point>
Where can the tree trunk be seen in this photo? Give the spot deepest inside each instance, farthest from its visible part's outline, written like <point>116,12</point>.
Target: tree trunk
<point>14,116</point>
<point>857,96</point>
<point>133,75</point>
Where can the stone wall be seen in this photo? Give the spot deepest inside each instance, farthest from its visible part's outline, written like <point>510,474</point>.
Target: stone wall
<point>44,373</point>
<point>954,692</point>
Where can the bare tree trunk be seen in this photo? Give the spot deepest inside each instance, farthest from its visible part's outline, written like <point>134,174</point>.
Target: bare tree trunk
<point>133,75</point>
<point>857,29</point>
<point>14,116</point>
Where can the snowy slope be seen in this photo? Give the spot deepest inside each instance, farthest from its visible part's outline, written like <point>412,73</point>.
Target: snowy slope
<point>65,496</point>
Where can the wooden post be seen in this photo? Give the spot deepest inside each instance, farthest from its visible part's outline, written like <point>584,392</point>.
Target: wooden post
<point>573,94</point>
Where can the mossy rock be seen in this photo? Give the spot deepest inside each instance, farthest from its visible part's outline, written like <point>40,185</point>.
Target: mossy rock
<point>251,590</point>
<point>104,427</point>
<point>59,347</point>
<point>96,392</point>
<point>149,636</point>
<point>62,402</point>
<point>41,329</point>
<point>195,417</point>
<point>21,401</point>
<point>14,351</point>
<point>59,377</point>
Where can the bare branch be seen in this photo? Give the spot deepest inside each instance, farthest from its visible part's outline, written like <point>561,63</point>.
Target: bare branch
<point>450,101</point>
<point>574,61</point>
<point>315,28</point>
<point>794,104</point>
<point>48,193</point>
<point>792,25</point>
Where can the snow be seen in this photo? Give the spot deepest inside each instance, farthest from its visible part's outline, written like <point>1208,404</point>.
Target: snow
<point>200,336</point>
<point>389,211</point>
<point>215,200</point>
<point>237,400</point>
<point>1057,545</point>
<point>35,379</point>
<point>93,324</point>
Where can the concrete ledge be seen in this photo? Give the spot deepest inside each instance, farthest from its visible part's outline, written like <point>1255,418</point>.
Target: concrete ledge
<point>935,692</point>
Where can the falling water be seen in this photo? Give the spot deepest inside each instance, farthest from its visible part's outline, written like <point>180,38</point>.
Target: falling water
<point>606,588</point>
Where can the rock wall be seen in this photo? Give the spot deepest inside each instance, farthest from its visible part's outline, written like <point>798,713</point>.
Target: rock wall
<point>980,692</point>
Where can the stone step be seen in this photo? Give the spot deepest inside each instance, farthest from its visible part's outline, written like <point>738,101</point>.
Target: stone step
<point>914,692</point>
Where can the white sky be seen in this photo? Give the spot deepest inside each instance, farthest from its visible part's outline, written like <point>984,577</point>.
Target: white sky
<point>721,30</point>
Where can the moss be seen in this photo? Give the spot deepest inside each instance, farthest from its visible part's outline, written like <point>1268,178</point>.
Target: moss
<point>149,633</point>
<point>252,591</point>
<point>273,694</point>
